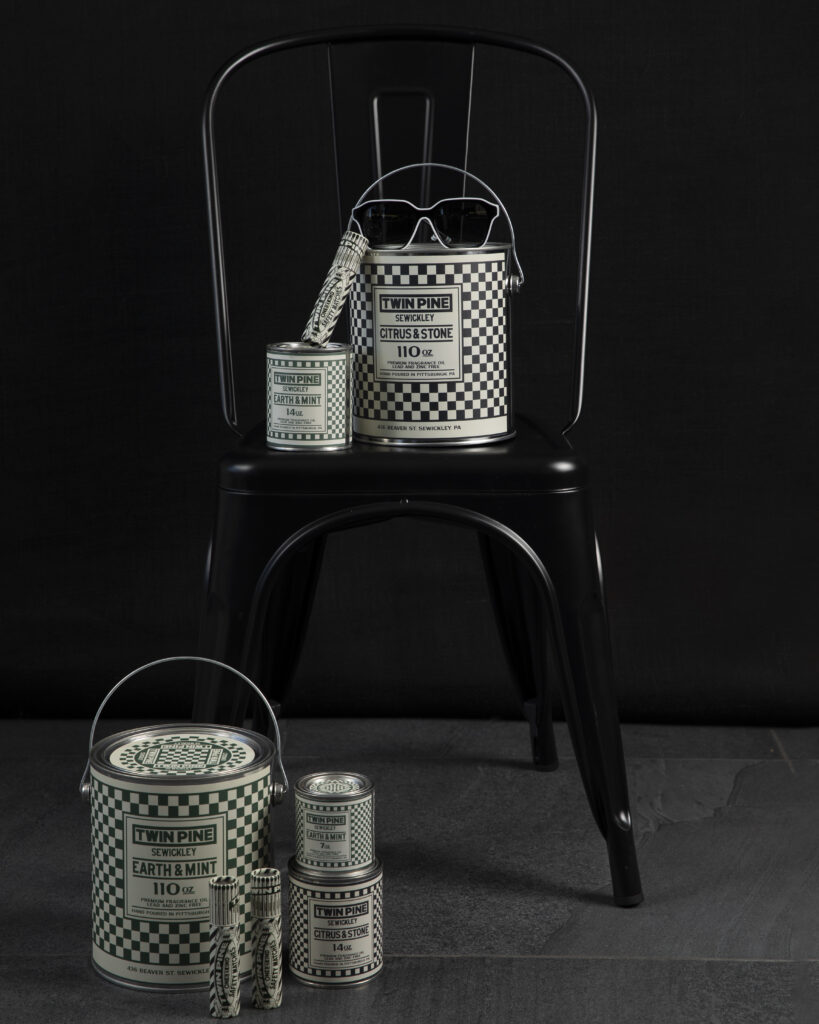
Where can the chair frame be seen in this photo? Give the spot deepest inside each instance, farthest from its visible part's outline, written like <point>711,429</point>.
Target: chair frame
<point>573,582</point>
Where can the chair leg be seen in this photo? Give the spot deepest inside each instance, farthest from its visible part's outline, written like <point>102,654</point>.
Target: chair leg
<point>538,713</point>
<point>246,535</point>
<point>566,546</point>
<point>515,602</point>
<point>287,616</point>
<point>591,713</point>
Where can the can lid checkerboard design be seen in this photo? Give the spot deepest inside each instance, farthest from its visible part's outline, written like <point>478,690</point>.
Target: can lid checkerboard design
<point>334,821</point>
<point>164,754</point>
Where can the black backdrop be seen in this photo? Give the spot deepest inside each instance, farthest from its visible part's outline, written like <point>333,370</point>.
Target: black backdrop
<point>700,418</point>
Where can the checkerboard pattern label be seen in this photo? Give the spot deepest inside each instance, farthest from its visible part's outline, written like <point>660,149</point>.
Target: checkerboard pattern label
<point>429,343</point>
<point>336,930</point>
<point>153,852</point>
<point>308,397</point>
<point>334,836</point>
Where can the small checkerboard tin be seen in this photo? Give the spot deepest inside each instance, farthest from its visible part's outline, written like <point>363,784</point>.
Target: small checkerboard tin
<point>172,806</point>
<point>429,332</point>
<point>308,396</point>
<point>336,926</point>
<point>334,821</point>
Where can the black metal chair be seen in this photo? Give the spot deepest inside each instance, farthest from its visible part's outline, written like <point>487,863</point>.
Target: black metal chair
<point>528,497</point>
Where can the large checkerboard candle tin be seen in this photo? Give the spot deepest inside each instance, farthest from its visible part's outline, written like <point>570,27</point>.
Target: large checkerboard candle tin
<point>429,333</point>
<point>172,806</point>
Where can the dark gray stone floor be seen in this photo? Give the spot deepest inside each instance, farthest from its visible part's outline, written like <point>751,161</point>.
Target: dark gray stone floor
<point>496,880</point>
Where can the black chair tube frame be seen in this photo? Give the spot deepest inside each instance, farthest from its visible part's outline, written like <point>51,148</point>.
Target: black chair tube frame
<point>357,35</point>
<point>607,801</point>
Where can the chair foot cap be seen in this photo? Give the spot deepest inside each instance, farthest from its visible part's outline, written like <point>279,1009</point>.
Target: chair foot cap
<point>629,901</point>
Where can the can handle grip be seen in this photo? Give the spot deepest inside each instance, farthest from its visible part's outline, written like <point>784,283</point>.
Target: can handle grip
<point>279,788</point>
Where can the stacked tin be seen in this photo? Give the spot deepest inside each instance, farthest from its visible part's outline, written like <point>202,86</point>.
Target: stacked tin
<point>336,881</point>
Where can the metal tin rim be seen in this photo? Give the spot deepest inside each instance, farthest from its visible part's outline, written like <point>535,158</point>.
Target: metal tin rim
<point>322,879</point>
<point>263,746</point>
<point>309,447</point>
<point>431,442</point>
<point>424,249</point>
<point>303,348</point>
<point>338,984</point>
<point>367,790</point>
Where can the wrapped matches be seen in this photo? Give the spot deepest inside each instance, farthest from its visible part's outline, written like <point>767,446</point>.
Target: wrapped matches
<point>335,289</point>
<point>224,947</point>
<point>266,910</point>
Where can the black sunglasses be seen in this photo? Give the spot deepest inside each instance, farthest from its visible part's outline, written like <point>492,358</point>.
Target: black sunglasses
<point>456,223</point>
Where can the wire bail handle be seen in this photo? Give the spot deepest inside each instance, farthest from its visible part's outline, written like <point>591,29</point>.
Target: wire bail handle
<point>515,281</point>
<point>279,789</point>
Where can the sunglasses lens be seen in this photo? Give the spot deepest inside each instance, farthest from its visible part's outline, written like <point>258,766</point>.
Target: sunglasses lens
<point>389,223</point>
<point>464,222</point>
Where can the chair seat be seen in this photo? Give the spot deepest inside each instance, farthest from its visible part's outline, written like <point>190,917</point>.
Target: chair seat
<point>529,462</point>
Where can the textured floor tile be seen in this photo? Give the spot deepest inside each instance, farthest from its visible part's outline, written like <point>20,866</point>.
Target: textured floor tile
<point>666,792</point>
<point>493,740</point>
<point>470,836</point>
<point>739,883</point>
<point>451,991</point>
<point>28,738</point>
<point>414,739</point>
<point>466,844</point>
<point>707,741</point>
<point>45,889</point>
<point>487,857</point>
<point>793,744</point>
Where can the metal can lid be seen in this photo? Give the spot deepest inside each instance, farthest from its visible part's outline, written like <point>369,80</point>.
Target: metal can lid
<point>181,751</point>
<point>334,785</point>
<point>343,880</point>
<point>304,350</point>
<point>437,253</point>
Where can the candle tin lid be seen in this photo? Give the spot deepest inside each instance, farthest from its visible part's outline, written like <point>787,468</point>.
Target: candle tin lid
<point>170,753</point>
<point>303,348</point>
<point>335,786</point>
<point>317,878</point>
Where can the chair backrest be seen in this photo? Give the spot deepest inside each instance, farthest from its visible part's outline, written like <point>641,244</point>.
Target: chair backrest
<point>422,82</point>
<point>398,105</point>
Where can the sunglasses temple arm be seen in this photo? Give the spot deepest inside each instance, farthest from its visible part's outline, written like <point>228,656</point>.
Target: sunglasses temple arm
<point>458,170</point>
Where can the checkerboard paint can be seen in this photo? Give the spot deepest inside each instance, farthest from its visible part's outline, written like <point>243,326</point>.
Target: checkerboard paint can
<point>336,925</point>
<point>431,349</point>
<point>334,822</point>
<point>172,806</point>
<point>308,396</point>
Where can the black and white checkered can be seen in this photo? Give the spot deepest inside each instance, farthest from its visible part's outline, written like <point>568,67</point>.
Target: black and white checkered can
<point>336,925</point>
<point>308,396</point>
<point>172,806</point>
<point>334,821</point>
<point>430,338</point>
